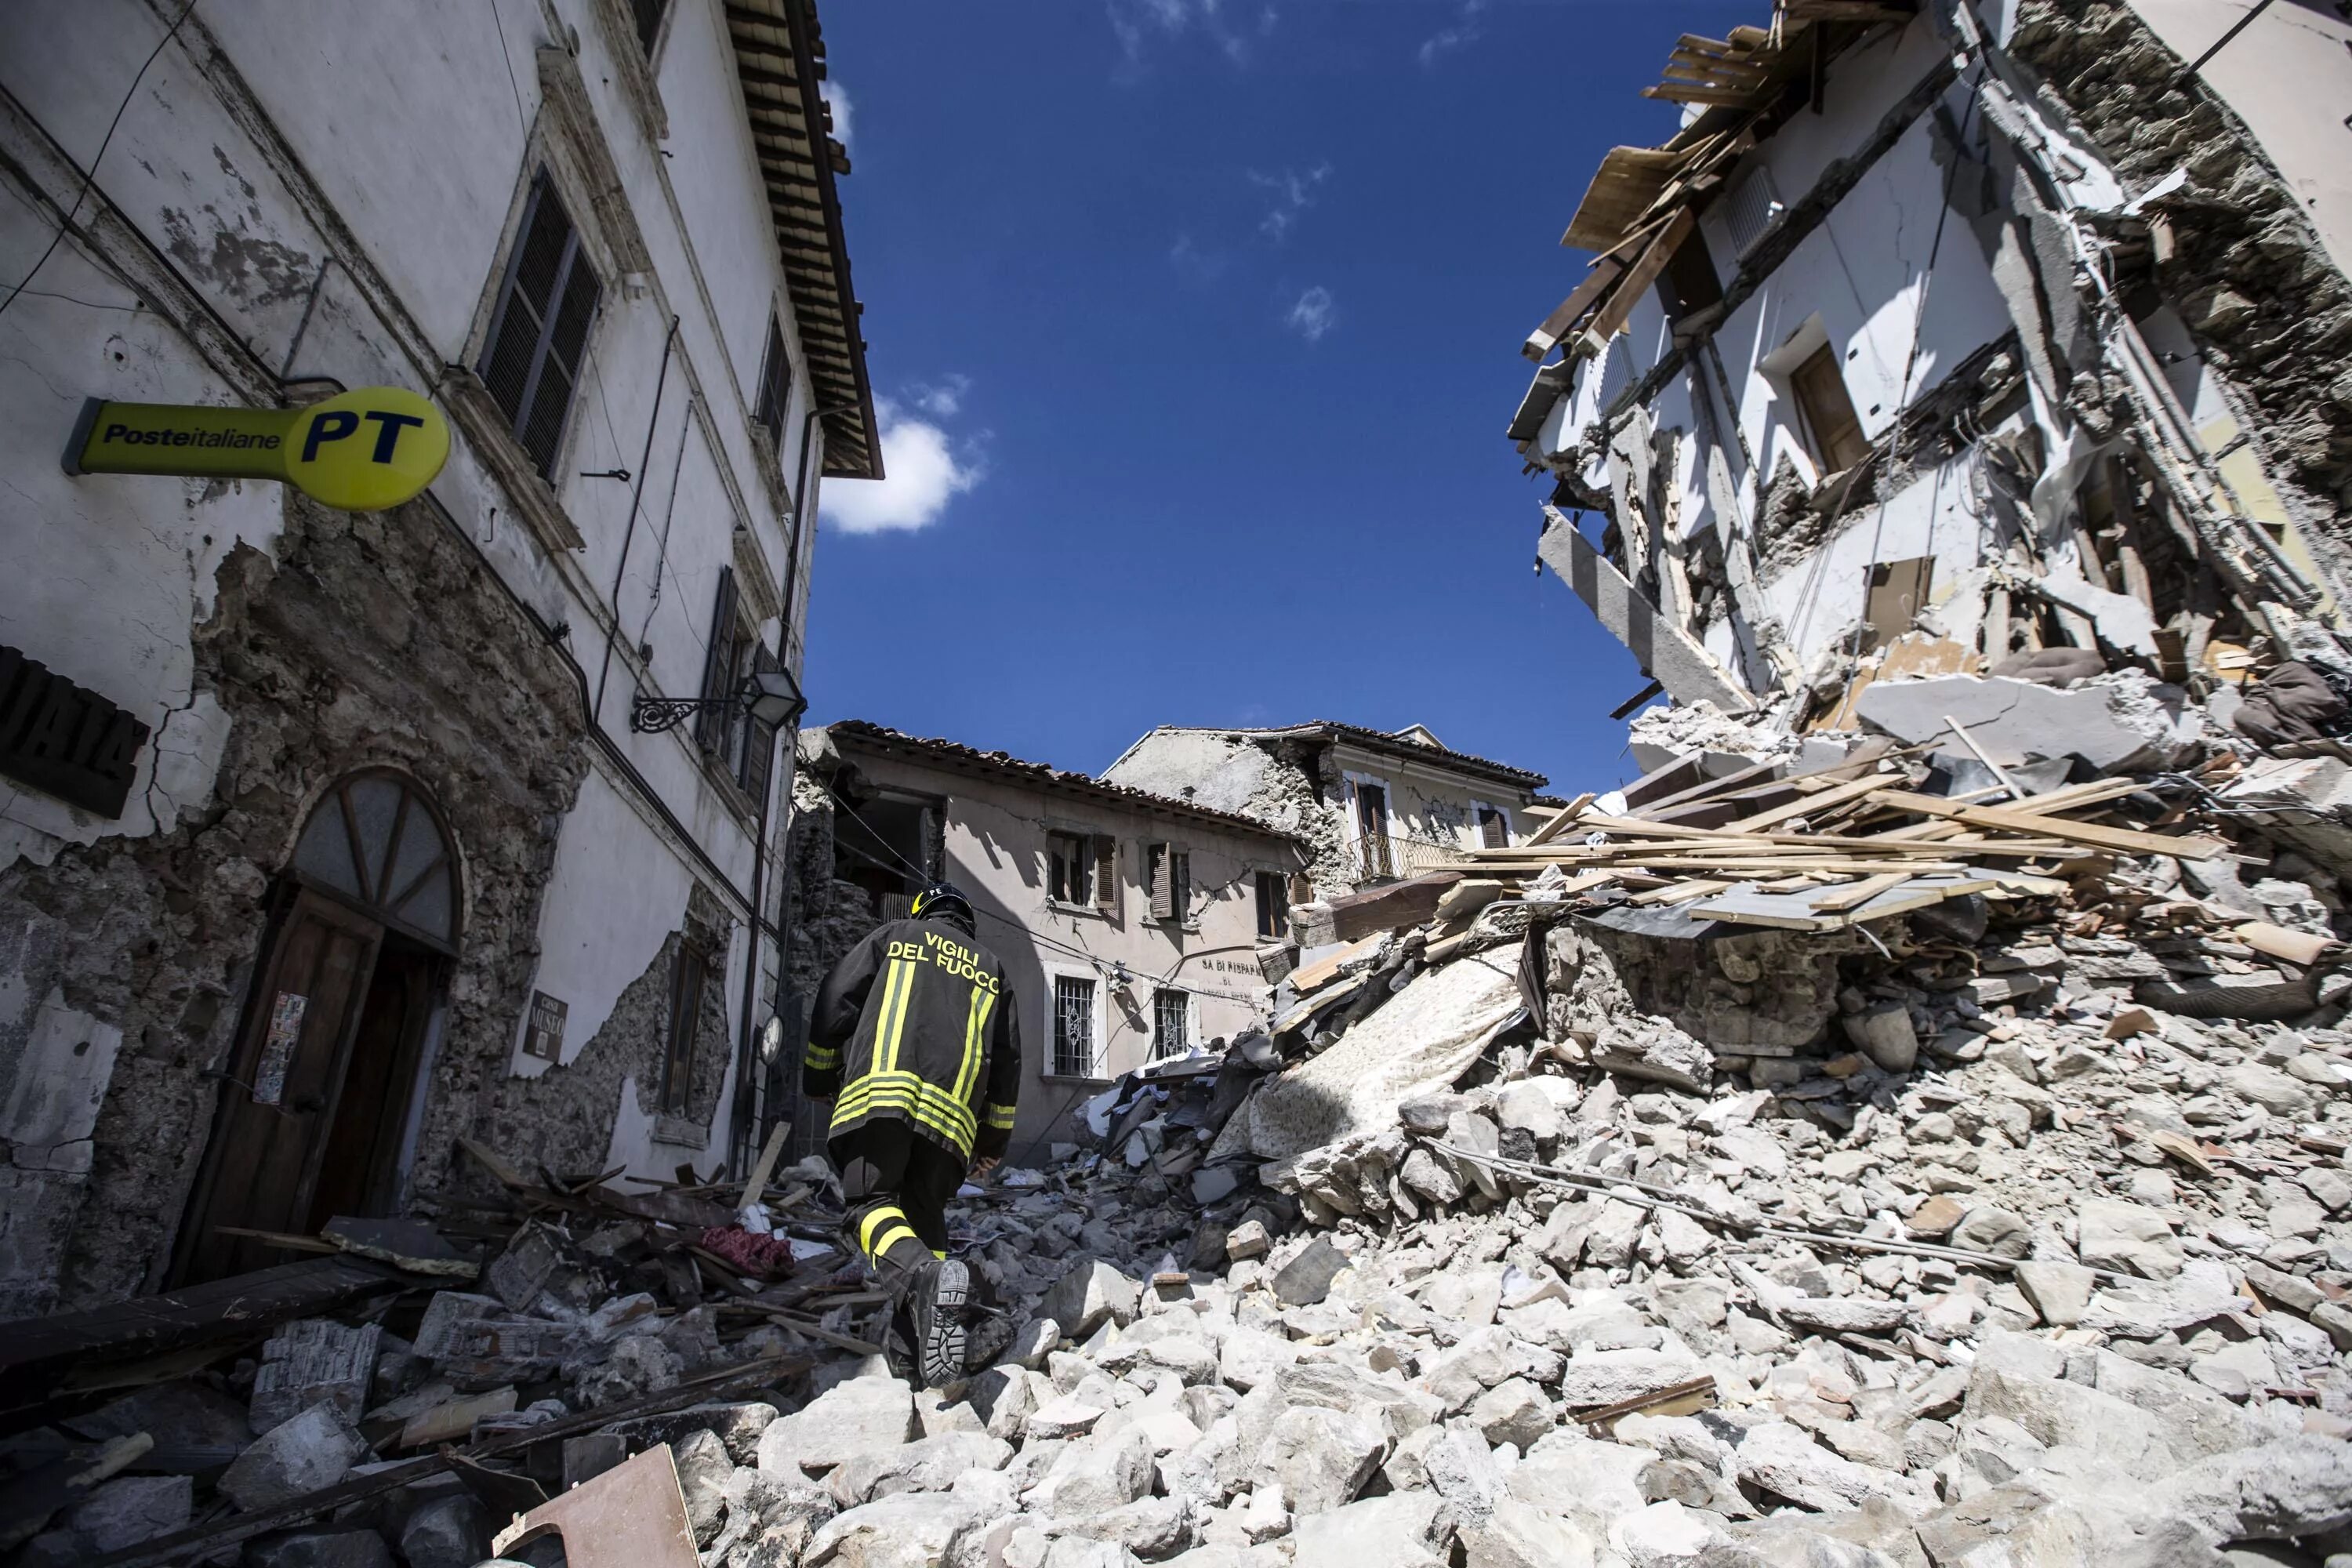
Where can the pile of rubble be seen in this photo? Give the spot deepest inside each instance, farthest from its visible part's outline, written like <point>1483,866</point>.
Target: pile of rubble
<point>1862,1154</point>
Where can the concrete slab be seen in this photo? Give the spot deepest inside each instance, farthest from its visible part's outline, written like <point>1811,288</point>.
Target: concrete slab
<point>1674,659</point>
<point>2014,720</point>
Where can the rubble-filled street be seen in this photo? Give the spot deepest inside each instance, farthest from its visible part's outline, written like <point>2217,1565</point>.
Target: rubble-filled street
<point>2012,1228</point>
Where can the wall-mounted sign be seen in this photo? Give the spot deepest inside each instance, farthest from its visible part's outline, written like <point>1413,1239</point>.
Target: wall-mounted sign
<point>358,451</point>
<point>544,1037</point>
<point>64,739</point>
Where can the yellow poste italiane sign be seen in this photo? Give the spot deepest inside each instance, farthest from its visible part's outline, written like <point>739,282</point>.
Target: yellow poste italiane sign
<point>357,451</point>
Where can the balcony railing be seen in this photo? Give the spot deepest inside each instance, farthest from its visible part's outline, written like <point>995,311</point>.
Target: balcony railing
<point>1391,857</point>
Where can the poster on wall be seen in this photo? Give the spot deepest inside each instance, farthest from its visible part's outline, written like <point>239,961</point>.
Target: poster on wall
<point>285,1033</point>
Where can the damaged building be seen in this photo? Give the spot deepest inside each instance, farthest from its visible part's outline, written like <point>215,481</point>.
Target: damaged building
<point>1370,805</point>
<point>1962,339</point>
<point>331,837</point>
<point>1128,920</point>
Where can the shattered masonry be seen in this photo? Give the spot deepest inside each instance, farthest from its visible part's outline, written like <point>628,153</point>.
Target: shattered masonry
<point>2097,402</point>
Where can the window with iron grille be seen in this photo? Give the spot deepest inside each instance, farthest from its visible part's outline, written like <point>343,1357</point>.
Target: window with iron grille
<point>775,385</point>
<point>1172,1023</point>
<point>648,15</point>
<point>1073,1027</point>
<point>539,333</point>
<point>686,976</point>
<point>1273,906</point>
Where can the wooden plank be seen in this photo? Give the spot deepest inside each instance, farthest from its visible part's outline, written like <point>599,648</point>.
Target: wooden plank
<point>1573,310</point>
<point>1747,905</point>
<point>37,1352</point>
<point>1676,892</point>
<point>1667,780</point>
<point>1811,804</point>
<point>1640,276</point>
<point>2124,841</point>
<point>1718,98</point>
<point>1852,893</point>
<point>1559,824</point>
<point>1323,970</point>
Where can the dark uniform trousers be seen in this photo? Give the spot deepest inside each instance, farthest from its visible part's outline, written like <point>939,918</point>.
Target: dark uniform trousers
<point>914,1039</point>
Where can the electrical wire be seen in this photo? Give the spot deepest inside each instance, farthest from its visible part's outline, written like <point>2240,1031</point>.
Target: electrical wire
<point>90,177</point>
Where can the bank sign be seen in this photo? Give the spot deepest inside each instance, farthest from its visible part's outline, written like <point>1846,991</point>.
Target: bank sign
<point>357,451</point>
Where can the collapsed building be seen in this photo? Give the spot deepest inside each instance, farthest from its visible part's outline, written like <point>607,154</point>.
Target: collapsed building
<point>1943,336</point>
<point>1370,805</point>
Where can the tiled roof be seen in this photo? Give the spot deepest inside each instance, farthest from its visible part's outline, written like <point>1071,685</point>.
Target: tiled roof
<point>780,61</point>
<point>954,755</point>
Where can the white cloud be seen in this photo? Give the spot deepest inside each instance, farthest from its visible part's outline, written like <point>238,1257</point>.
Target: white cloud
<point>927,468</point>
<point>1136,23</point>
<point>1313,315</point>
<point>1467,30</point>
<point>837,98</point>
<point>1293,193</point>
<point>942,399</point>
<point>1194,263</point>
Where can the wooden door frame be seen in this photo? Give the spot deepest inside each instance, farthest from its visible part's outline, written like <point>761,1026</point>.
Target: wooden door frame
<point>235,1077</point>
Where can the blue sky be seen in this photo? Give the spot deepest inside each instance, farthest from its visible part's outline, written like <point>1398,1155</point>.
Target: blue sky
<point>1198,324</point>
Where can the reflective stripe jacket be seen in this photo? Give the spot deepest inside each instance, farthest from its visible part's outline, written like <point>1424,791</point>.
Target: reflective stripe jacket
<point>916,1022</point>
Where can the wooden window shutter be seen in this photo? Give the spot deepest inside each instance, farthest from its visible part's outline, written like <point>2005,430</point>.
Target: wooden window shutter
<point>1820,387</point>
<point>539,335</point>
<point>1107,874</point>
<point>718,664</point>
<point>1180,883</point>
<point>775,385</point>
<point>1155,877</point>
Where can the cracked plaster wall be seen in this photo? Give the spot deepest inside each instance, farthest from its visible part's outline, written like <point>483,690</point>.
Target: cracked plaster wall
<point>371,640</point>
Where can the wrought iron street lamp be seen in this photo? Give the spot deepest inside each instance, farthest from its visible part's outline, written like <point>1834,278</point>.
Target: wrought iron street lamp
<point>772,698</point>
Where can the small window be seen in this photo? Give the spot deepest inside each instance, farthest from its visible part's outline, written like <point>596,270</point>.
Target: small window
<point>1820,387</point>
<point>775,385</point>
<point>1273,906</point>
<point>1073,1027</point>
<point>539,334</point>
<point>1070,878</point>
<point>648,15</point>
<point>1172,1023</point>
<point>1494,829</point>
<point>1749,210</point>
<point>686,977</point>
<point>1167,873</point>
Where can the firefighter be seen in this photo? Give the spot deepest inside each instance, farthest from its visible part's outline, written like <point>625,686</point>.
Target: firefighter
<point>915,1040</point>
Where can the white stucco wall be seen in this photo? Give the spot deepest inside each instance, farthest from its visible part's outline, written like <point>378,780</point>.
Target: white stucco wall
<point>372,188</point>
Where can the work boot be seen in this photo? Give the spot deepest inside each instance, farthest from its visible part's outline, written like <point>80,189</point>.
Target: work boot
<point>937,1295</point>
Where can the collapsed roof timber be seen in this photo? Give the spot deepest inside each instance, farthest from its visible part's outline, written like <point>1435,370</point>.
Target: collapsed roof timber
<point>2090,400</point>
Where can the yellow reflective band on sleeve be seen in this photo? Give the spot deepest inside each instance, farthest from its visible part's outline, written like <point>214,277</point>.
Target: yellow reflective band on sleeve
<point>867,1226</point>
<point>938,1254</point>
<point>821,1056</point>
<point>1001,1117</point>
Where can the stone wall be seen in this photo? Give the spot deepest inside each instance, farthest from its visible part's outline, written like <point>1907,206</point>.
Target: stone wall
<point>2272,316</point>
<point>371,640</point>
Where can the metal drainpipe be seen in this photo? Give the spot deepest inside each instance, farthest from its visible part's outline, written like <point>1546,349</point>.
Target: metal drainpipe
<point>628,535</point>
<point>747,1055</point>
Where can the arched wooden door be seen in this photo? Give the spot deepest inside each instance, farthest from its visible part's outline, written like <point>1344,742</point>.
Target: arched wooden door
<point>318,1100</point>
